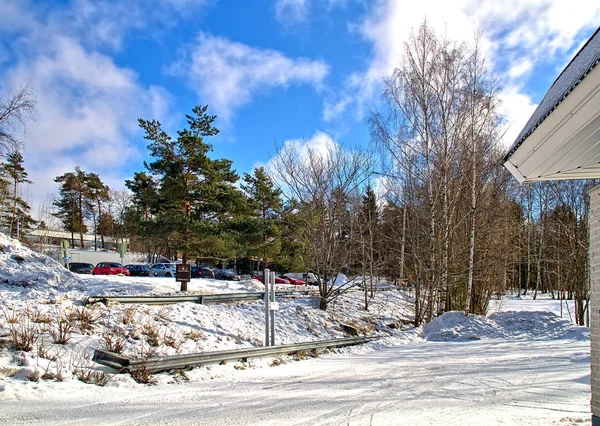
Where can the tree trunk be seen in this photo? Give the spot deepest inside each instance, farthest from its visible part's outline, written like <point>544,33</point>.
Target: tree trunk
<point>472,230</point>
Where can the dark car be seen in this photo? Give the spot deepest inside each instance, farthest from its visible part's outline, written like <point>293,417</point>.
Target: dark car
<point>223,274</point>
<point>81,268</point>
<point>202,272</point>
<point>140,271</point>
<point>109,268</point>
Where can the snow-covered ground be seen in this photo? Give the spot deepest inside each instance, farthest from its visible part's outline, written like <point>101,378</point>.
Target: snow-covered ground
<point>522,364</point>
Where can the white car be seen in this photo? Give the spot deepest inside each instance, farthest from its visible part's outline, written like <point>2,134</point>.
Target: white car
<point>164,269</point>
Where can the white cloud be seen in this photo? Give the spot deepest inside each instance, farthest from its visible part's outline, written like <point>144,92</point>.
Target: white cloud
<point>228,74</point>
<point>87,108</point>
<point>319,143</point>
<point>526,33</point>
<point>520,68</point>
<point>517,108</point>
<point>291,12</point>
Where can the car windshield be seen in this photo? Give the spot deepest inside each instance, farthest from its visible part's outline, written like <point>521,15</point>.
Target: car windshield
<point>113,265</point>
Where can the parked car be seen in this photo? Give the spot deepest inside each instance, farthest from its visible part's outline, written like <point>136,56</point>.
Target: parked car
<point>164,269</point>
<point>312,278</point>
<point>140,271</point>
<point>81,267</point>
<point>278,280</point>
<point>223,274</point>
<point>293,280</point>
<point>110,268</point>
<point>202,272</point>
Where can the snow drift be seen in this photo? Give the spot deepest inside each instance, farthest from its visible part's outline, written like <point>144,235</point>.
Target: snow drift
<point>509,325</point>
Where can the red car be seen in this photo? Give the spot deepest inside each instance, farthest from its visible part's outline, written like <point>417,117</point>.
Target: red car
<point>294,281</point>
<point>110,268</point>
<point>278,280</point>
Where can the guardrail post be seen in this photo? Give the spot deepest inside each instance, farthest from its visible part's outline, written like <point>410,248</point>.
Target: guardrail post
<point>272,308</point>
<point>266,280</point>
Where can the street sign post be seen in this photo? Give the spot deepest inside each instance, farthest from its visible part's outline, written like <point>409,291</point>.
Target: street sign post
<point>270,307</point>
<point>122,251</point>
<point>183,273</point>
<point>66,252</point>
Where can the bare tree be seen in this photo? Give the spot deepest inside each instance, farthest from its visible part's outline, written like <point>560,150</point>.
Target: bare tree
<point>15,109</point>
<point>322,183</point>
<point>439,131</point>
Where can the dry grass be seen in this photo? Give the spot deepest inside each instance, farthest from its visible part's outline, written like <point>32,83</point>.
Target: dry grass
<point>164,313</point>
<point>152,332</point>
<point>34,376</point>
<point>44,351</point>
<point>11,316</point>
<point>39,317</point>
<point>114,342</point>
<point>129,315</point>
<point>88,318</point>
<point>91,376</point>
<point>142,374</point>
<point>66,320</point>
<point>171,339</point>
<point>22,331</point>
<point>193,334</point>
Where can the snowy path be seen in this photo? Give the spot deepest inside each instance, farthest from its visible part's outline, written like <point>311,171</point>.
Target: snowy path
<point>528,382</point>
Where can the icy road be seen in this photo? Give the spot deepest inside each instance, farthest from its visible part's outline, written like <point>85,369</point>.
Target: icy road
<point>487,382</point>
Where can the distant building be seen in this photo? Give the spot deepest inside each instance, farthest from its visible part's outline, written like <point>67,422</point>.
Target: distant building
<point>48,241</point>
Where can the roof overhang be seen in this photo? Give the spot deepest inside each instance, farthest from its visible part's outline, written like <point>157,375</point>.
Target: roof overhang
<point>566,144</point>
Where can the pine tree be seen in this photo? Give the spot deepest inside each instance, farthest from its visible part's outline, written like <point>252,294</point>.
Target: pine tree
<point>265,204</point>
<point>70,204</point>
<point>96,194</point>
<point>18,215</point>
<point>197,197</point>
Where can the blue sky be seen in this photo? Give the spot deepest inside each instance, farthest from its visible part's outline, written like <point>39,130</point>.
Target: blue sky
<point>271,70</point>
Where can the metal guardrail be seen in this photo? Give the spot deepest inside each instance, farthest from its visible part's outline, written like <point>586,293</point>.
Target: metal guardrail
<point>155,365</point>
<point>201,298</point>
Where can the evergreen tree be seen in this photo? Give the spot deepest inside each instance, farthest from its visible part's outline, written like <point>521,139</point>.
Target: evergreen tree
<point>96,194</point>
<point>70,204</point>
<point>196,196</point>
<point>18,216</point>
<point>265,204</point>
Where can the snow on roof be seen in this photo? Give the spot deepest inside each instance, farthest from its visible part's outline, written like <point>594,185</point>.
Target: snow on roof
<point>579,67</point>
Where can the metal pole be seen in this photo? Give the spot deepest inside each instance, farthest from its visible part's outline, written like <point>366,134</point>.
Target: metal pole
<point>272,321</point>
<point>266,279</point>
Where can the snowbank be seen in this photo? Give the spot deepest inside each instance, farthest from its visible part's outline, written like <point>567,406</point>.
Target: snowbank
<point>32,275</point>
<point>510,325</point>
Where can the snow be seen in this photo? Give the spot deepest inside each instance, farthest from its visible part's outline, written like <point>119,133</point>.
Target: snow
<point>523,364</point>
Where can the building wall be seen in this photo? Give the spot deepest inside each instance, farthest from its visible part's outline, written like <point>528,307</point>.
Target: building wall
<point>594,253</point>
<point>105,256</point>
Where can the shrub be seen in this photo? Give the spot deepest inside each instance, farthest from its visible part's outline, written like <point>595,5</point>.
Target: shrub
<point>22,331</point>
<point>65,324</point>
<point>88,318</point>
<point>91,376</point>
<point>141,374</point>
<point>152,333</point>
<point>114,342</point>
<point>129,315</point>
